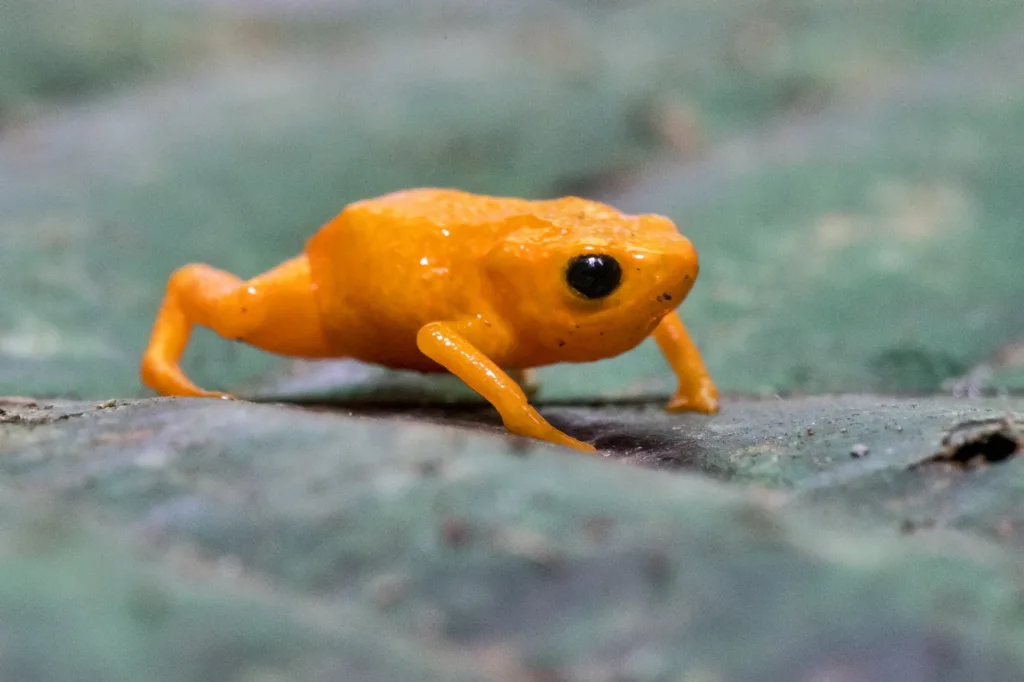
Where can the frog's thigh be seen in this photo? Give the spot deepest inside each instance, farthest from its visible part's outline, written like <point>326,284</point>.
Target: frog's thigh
<point>217,300</point>
<point>444,345</point>
<point>696,392</point>
<point>275,311</point>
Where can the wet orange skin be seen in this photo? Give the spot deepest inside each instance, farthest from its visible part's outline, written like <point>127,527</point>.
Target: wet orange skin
<point>442,280</point>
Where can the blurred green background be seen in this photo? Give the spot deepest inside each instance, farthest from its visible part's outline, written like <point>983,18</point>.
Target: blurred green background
<point>851,172</point>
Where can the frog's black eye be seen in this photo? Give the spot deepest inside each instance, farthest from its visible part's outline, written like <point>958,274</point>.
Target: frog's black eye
<point>593,275</point>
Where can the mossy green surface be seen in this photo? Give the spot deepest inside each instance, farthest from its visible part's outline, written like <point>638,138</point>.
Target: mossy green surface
<point>79,598</point>
<point>519,560</point>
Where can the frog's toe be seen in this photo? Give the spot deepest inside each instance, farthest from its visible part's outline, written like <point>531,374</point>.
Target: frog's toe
<point>584,447</point>
<point>704,401</point>
<point>216,395</point>
<point>568,441</point>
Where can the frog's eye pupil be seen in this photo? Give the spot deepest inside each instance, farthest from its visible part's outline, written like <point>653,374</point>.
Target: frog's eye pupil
<point>593,275</point>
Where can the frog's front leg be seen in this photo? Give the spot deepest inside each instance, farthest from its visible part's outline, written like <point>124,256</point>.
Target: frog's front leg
<point>696,391</point>
<point>445,345</point>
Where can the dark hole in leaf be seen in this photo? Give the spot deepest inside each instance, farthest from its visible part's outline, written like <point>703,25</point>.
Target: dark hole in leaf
<point>977,443</point>
<point>993,448</point>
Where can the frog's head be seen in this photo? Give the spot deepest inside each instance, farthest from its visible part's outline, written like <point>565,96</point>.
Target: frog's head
<point>580,281</point>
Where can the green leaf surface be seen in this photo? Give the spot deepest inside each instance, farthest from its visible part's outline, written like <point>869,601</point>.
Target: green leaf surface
<point>77,600</point>
<point>529,560</point>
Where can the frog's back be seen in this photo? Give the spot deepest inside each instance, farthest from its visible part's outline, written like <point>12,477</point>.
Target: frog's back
<point>429,210</point>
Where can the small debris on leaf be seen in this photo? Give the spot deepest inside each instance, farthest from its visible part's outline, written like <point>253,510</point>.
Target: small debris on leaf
<point>659,568</point>
<point>455,532</point>
<point>859,450</point>
<point>528,545</point>
<point>428,467</point>
<point>598,528</point>
<point>910,526</point>
<point>388,590</point>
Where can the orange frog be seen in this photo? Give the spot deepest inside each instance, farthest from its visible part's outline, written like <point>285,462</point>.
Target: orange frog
<point>441,280</point>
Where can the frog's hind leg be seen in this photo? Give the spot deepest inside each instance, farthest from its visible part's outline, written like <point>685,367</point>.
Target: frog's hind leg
<point>275,311</point>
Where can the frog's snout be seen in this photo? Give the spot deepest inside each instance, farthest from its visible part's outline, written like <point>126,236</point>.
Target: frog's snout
<point>680,268</point>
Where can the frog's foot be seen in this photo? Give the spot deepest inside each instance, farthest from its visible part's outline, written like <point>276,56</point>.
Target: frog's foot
<point>530,424</point>
<point>696,392</point>
<point>703,398</point>
<point>168,379</point>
